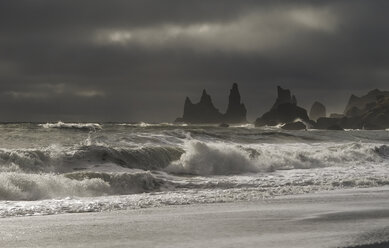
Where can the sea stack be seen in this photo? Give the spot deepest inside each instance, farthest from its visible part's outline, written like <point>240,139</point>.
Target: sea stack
<point>284,96</point>
<point>236,111</point>
<point>317,110</point>
<point>284,110</point>
<point>201,112</point>
<point>206,113</point>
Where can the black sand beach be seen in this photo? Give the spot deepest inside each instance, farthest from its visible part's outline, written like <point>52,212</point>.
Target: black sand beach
<point>343,218</point>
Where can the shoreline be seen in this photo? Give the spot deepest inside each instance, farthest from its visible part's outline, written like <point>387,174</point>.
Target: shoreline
<point>340,218</point>
<point>376,245</point>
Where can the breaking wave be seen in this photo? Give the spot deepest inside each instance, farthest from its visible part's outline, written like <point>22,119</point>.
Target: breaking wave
<point>77,126</point>
<point>222,159</point>
<point>146,158</point>
<point>194,157</point>
<point>58,194</point>
<point>54,158</point>
<point>144,124</point>
<point>46,170</point>
<point>203,158</point>
<point>22,186</point>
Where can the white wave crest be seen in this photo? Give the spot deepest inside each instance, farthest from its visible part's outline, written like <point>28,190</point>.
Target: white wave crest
<point>221,159</point>
<point>247,125</point>
<point>226,159</point>
<point>81,126</point>
<point>57,158</point>
<point>21,186</point>
<point>144,124</point>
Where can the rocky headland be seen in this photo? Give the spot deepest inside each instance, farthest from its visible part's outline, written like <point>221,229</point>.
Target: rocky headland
<point>370,111</point>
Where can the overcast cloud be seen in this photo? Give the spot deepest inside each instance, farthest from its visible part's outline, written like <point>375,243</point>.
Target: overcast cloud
<point>138,60</point>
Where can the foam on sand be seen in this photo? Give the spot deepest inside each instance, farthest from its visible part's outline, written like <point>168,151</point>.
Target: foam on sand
<point>303,221</point>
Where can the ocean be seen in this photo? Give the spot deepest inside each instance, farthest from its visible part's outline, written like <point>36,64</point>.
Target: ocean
<point>54,168</point>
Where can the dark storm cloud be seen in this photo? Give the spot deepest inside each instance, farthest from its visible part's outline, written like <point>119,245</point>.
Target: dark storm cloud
<point>137,60</point>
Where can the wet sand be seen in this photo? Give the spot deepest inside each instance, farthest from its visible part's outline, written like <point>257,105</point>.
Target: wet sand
<point>376,245</point>
<point>343,218</point>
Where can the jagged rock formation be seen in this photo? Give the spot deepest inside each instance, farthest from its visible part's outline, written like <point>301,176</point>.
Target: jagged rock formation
<point>317,110</point>
<point>201,112</point>
<point>236,111</point>
<point>284,96</point>
<point>339,123</point>
<point>376,116</point>
<point>362,113</point>
<point>356,105</point>
<point>367,112</point>
<point>284,110</point>
<point>205,111</point>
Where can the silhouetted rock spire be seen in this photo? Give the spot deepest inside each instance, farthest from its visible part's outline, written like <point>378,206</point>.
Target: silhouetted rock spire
<point>205,99</point>
<point>201,112</point>
<point>188,102</point>
<point>205,112</point>
<point>236,111</point>
<point>294,100</point>
<point>284,96</point>
<point>284,110</point>
<point>317,110</point>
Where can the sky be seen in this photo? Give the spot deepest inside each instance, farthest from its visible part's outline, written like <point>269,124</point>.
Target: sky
<point>137,60</point>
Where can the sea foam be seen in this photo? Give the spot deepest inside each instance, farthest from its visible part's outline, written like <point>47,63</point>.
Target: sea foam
<point>202,158</point>
<point>21,186</point>
<point>45,170</point>
<point>57,158</point>
<point>215,159</point>
<point>79,126</point>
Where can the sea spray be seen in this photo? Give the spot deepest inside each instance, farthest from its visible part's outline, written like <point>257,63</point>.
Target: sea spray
<point>62,159</point>
<point>202,158</point>
<point>69,168</point>
<point>22,186</point>
<point>213,159</point>
<point>194,157</point>
<point>77,126</point>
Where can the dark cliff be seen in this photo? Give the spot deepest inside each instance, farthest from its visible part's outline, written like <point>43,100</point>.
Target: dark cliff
<point>356,105</point>
<point>370,111</point>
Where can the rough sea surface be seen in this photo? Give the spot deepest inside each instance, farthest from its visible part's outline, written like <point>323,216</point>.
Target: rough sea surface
<point>60,167</point>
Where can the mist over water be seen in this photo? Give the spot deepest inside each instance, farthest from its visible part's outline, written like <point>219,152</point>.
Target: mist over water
<point>75,167</point>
